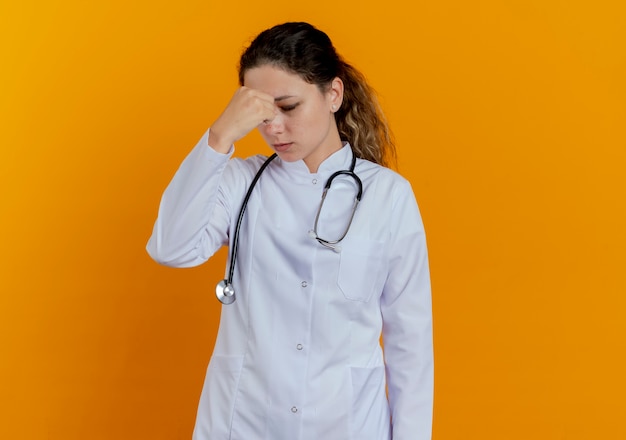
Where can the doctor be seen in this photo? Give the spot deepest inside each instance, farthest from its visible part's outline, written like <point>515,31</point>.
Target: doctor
<point>298,353</point>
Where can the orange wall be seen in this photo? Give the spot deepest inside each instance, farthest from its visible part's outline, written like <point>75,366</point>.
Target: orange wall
<point>510,118</point>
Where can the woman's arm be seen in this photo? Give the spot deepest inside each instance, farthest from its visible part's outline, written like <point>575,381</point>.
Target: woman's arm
<point>194,215</point>
<point>193,218</point>
<point>407,324</point>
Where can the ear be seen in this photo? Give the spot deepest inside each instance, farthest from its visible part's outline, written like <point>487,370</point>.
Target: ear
<point>335,94</point>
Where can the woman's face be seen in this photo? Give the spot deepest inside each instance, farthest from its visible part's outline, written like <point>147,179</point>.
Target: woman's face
<point>304,127</point>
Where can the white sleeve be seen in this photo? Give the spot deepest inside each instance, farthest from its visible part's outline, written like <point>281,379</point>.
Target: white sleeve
<point>193,218</point>
<point>407,324</point>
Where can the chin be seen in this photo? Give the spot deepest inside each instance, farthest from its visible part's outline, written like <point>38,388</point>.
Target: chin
<point>288,157</point>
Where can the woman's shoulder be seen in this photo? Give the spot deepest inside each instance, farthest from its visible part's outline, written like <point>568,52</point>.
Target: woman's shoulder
<point>367,170</point>
<point>250,162</point>
<point>240,172</point>
<point>247,166</point>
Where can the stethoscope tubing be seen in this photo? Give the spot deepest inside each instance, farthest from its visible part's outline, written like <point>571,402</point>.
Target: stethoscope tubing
<point>328,243</point>
<point>224,290</point>
<point>233,253</point>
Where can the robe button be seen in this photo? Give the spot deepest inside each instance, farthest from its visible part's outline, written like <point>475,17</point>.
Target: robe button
<point>294,409</point>
<point>304,284</point>
<point>314,181</point>
<point>299,346</point>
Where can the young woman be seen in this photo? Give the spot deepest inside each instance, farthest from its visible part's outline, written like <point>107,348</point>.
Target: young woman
<point>328,254</point>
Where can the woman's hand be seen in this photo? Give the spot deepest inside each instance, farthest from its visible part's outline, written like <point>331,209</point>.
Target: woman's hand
<point>246,110</point>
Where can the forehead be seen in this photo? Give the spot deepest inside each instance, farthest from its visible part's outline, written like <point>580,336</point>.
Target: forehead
<point>277,82</point>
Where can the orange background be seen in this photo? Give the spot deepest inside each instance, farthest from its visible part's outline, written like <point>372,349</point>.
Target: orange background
<point>510,119</point>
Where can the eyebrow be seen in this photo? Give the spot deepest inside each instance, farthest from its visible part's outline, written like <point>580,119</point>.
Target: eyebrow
<point>282,98</point>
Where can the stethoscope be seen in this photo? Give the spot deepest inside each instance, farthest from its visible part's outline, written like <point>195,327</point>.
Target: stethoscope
<point>224,290</point>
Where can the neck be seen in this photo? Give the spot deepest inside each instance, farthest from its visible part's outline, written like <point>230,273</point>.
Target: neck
<point>332,145</point>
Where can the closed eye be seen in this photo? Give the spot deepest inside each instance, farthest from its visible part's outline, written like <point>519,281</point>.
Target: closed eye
<point>287,108</point>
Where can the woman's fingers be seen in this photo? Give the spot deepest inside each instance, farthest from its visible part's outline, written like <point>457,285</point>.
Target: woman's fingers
<point>246,110</point>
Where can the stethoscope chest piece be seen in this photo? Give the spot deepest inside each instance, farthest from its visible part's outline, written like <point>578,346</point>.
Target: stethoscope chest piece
<point>225,292</point>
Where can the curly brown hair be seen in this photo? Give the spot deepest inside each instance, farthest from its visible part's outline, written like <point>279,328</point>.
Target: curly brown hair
<point>301,48</point>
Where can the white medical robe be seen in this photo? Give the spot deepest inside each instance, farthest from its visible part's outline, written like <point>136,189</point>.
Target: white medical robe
<point>298,354</point>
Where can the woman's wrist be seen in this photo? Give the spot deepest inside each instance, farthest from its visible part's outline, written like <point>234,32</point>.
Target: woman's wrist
<point>218,143</point>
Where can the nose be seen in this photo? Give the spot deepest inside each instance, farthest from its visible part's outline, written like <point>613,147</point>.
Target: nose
<point>276,125</point>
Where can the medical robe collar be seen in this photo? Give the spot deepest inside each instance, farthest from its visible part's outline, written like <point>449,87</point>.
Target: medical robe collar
<point>339,160</point>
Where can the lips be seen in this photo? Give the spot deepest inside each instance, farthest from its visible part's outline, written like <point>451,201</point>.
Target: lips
<point>282,146</point>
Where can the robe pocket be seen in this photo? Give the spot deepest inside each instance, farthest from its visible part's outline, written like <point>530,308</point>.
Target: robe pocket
<point>217,402</point>
<point>224,372</point>
<point>361,270</point>
<point>370,408</point>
